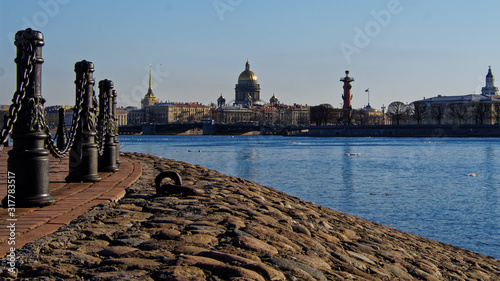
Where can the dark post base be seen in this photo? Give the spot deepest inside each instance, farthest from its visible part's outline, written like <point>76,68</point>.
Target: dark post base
<point>118,161</point>
<point>83,168</point>
<point>28,172</point>
<point>107,162</point>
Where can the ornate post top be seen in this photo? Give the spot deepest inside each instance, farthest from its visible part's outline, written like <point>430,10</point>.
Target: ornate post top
<point>84,66</point>
<point>29,35</point>
<point>107,84</point>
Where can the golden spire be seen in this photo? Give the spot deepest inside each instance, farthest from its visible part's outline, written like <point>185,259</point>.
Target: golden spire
<point>150,88</point>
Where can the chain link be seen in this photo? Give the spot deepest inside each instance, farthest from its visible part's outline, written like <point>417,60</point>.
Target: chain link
<point>77,110</point>
<point>103,126</point>
<point>19,95</point>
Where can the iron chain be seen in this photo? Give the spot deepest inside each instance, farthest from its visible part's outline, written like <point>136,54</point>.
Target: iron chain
<point>103,126</point>
<point>74,125</point>
<point>19,95</point>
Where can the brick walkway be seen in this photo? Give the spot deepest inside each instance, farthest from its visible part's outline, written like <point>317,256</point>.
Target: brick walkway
<point>71,200</point>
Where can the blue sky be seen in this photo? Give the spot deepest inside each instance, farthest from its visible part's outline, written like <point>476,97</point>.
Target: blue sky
<point>401,50</point>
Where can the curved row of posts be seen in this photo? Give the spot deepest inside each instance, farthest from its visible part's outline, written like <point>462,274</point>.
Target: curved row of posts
<point>92,146</point>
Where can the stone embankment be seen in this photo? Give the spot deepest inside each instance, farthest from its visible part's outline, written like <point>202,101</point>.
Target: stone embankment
<point>235,230</point>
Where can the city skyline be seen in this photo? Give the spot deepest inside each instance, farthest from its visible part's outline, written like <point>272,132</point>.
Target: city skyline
<point>401,50</point>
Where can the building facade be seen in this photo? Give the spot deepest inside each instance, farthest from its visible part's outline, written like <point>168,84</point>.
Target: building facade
<point>465,109</point>
<point>136,116</point>
<point>266,114</point>
<point>177,113</point>
<point>52,115</point>
<point>121,116</point>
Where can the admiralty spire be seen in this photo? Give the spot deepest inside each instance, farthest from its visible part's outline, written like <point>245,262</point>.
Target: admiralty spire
<point>150,98</point>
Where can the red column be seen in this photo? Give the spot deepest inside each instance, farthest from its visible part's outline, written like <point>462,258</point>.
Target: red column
<point>347,108</point>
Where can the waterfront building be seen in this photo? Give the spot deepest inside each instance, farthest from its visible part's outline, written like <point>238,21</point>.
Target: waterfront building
<point>175,112</point>
<point>135,116</point>
<point>266,114</point>
<point>121,116</point>
<point>232,114</point>
<point>297,115</point>
<point>52,115</point>
<point>481,108</point>
<point>466,109</point>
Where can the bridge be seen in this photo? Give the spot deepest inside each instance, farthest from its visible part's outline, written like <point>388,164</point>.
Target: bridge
<point>230,129</point>
<point>412,130</point>
<point>211,129</point>
<point>160,129</point>
<point>130,130</point>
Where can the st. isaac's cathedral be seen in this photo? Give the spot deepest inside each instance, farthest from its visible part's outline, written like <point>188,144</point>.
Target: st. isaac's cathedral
<point>248,107</point>
<point>247,91</point>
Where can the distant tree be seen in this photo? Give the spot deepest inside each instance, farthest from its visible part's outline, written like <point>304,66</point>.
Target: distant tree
<point>360,116</point>
<point>496,112</point>
<point>315,113</point>
<point>438,110</point>
<point>397,111</point>
<point>418,111</point>
<point>482,111</point>
<point>458,111</point>
<point>322,114</point>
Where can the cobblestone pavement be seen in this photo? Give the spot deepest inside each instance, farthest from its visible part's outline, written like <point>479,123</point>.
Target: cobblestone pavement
<point>227,228</point>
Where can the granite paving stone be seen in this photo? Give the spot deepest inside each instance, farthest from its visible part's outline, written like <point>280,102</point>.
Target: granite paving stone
<point>233,230</point>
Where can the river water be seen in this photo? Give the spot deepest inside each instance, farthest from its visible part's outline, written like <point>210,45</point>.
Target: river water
<point>446,189</point>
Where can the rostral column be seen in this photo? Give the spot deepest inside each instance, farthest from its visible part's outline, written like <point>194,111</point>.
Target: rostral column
<point>347,108</point>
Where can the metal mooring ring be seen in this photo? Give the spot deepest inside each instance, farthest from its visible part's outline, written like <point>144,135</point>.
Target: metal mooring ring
<point>169,174</point>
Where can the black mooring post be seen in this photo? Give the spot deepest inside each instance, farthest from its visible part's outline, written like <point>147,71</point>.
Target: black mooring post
<point>83,155</point>
<point>115,118</point>
<point>61,130</point>
<point>107,162</point>
<point>28,162</point>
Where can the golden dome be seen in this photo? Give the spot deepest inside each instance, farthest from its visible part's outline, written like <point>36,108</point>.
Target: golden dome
<point>247,74</point>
